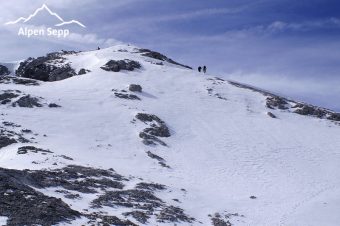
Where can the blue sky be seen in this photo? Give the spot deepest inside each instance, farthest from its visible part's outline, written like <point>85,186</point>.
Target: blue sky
<point>288,47</point>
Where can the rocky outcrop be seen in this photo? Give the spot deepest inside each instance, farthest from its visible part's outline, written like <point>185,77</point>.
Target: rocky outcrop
<point>27,102</point>
<point>159,56</point>
<point>16,98</point>
<point>18,198</point>
<point>118,65</point>
<point>18,193</point>
<point>49,68</point>
<point>160,160</point>
<point>274,102</point>
<point>4,70</point>
<point>7,96</point>
<point>277,102</point>
<point>157,128</point>
<point>135,88</point>
<point>83,71</point>
<point>18,81</point>
<point>306,109</point>
<point>123,94</point>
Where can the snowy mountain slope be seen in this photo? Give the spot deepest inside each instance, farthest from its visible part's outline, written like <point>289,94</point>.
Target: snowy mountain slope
<point>226,160</point>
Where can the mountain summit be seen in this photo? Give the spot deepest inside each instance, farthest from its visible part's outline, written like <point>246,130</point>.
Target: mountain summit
<point>127,136</point>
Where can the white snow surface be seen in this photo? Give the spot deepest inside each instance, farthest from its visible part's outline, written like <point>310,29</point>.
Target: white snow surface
<point>220,151</point>
<point>3,221</point>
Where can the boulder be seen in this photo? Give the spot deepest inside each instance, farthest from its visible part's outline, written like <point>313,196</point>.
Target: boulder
<point>135,88</point>
<point>271,115</point>
<point>83,71</point>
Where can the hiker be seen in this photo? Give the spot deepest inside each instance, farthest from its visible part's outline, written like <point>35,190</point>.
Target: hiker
<point>199,69</point>
<point>204,69</point>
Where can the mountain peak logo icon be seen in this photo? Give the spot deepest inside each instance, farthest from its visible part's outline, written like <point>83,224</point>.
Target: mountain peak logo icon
<point>42,8</point>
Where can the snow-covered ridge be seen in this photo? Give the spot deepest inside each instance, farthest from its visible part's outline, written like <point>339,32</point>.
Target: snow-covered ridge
<point>134,138</point>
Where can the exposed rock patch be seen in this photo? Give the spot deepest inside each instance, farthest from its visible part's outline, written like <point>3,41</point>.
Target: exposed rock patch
<point>17,200</point>
<point>118,65</point>
<point>83,71</point>
<point>140,216</point>
<point>26,149</point>
<point>53,105</point>
<point>8,137</point>
<point>159,56</point>
<point>123,94</point>
<point>18,81</point>
<point>160,160</point>
<point>7,96</point>
<point>18,99</point>
<point>27,101</point>
<point>271,115</point>
<point>143,201</point>
<point>276,102</point>
<point>157,128</point>
<point>51,67</point>
<point>4,70</point>
<point>135,88</point>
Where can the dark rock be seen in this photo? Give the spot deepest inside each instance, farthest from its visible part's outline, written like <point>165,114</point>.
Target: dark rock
<point>310,110</point>
<point>159,131</point>
<point>8,95</point>
<point>10,124</point>
<point>83,71</point>
<point>6,141</point>
<point>253,197</point>
<point>277,102</point>
<point>132,198</point>
<point>150,186</point>
<point>66,157</point>
<point>26,149</point>
<point>271,115</point>
<point>127,96</point>
<point>116,66</point>
<point>61,73</point>
<point>77,178</point>
<point>135,88</point>
<point>334,116</point>
<point>159,56</point>
<point>140,216</point>
<point>105,220</point>
<point>154,156</point>
<point>27,102</point>
<point>157,128</point>
<point>53,105</point>
<point>48,68</point>
<point>4,70</point>
<point>220,222</point>
<point>148,139</point>
<point>148,118</point>
<point>18,81</point>
<point>160,160</point>
<point>173,214</point>
<point>25,206</point>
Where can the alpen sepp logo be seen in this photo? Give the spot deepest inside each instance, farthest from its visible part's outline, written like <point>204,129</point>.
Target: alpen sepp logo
<point>51,31</point>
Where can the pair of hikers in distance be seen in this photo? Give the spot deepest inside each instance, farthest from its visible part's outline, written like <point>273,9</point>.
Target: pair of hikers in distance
<point>204,69</point>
